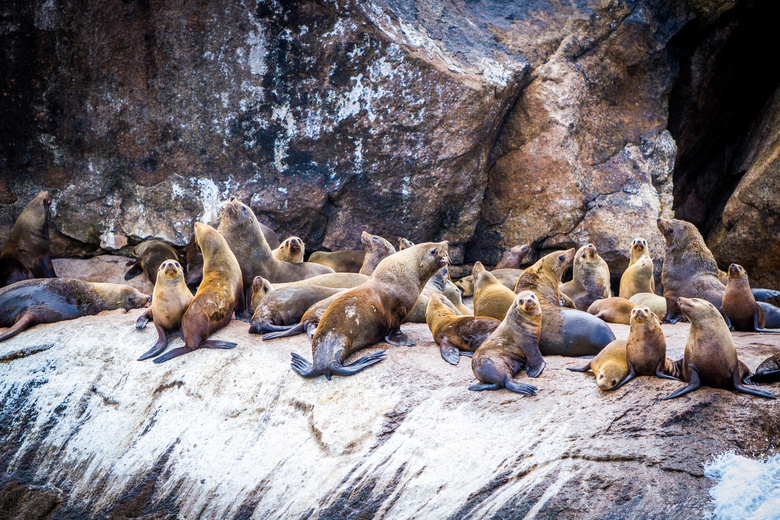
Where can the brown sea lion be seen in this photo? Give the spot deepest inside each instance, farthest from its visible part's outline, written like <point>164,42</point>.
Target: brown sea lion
<point>372,311</point>
<point>610,366</point>
<point>49,300</point>
<point>739,304</point>
<point>260,288</point>
<point>507,277</point>
<point>638,277</point>
<point>435,285</point>
<point>511,259</point>
<point>290,250</point>
<point>404,243</point>
<point>335,280</point>
<point>655,303</point>
<point>544,278</point>
<point>286,306</point>
<point>710,355</point>
<point>347,261</point>
<point>25,254</point>
<point>170,300</point>
<point>150,254</point>
<point>689,268</point>
<point>217,297</point>
<point>591,278</point>
<point>376,249</point>
<point>308,322</point>
<point>612,310</point>
<point>456,335</point>
<point>514,345</point>
<point>571,332</point>
<point>767,372</point>
<point>646,347</point>
<point>452,293</point>
<point>491,298</point>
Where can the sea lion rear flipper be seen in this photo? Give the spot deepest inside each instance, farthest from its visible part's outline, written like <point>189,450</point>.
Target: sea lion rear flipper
<point>739,387</point>
<point>215,343</point>
<point>466,353</point>
<point>172,354</point>
<point>291,330</point>
<point>486,386</point>
<point>133,271</point>
<point>162,343</point>
<point>26,321</point>
<point>520,388</point>
<point>659,371</point>
<point>364,362</point>
<point>758,321</point>
<point>580,369</point>
<point>303,367</point>
<point>243,316</point>
<point>763,377</point>
<point>48,268</point>
<point>728,322</point>
<point>764,294</point>
<point>449,352</point>
<point>693,384</point>
<point>399,339</point>
<point>631,375</point>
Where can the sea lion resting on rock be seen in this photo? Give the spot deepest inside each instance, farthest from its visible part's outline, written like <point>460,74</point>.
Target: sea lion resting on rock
<point>456,335</point>
<point>710,355</point>
<point>150,254</point>
<point>290,250</point>
<point>286,306</point>
<point>638,277</point>
<point>372,311</point>
<point>507,277</point>
<point>25,254</point>
<point>544,278</point>
<point>511,259</point>
<point>610,366</point>
<point>514,345</point>
<point>591,278</point>
<point>170,300</point>
<point>739,304</point>
<point>571,332</point>
<point>49,300</point>
<point>655,303</point>
<point>347,261</point>
<point>612,310</point>
<point>767,372</point>
<point>217,297</point>
<point>376,249</point>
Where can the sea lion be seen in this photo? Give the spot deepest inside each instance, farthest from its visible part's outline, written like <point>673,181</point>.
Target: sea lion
<point>646,347</point>
<point>260,288</point>
<point>491,298</point>
<point>49,300</point>
<point>25,254</point>
<point>710,355</point>
<point>511,259</point>
<point>372,311</point>
<point>507,277</point>
<point>638,277</point>
<point>290,250</point>
<point>456,335</point>
<point>739,304</point>
<point>286,306</point>
<point>217,297</point>
<point>308,323</point>
<point>656,303</point>
<point>376,249</point>
<point>544,278</point>
<point>689,268</point>
<point>404,243</point>
<point>571,332</point>
<point>591,278</point>
<point>610,366</point>
<point>170,300</point>
<point>767,372</point>
<point>435,285</point>
<point>452,293</point>
<point>514,345</point>
<point>347,261</point>
<point>612,310</point>
<point>150,254</point>
<point>335,280</point>
<point>771,315</point>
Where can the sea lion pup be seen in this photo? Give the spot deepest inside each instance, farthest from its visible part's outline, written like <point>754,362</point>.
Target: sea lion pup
<point>544,278</point>
<point>346,261</point>
<point>376,249</point>
<point>242,233</point>
<point>710,355</point>
<point>514,345</point>
<point>767,372</point>
<point>646,347</point>
<point>290,250</point>
<point>612,310</point>
<point>456,335</point>
<point>689,268</point>
<point>511,259</point>
<point>656,303</point>
<point>571,332</point>
<point>491,298</point>
<point>739,304</point>
<point>149,256</point>
<point>286,306</point>
<point>638,276</point>
<point>217,297</point>
<point>372,311</point>
<point>404,243</point>
<point>49,300</point>
<point>25,254</point>
<point>591,278</point>
<point>507,277</point>
<point>610,366</point>
<point>170,300</point>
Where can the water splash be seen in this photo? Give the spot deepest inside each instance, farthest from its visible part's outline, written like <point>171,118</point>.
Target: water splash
<point>746,489</point>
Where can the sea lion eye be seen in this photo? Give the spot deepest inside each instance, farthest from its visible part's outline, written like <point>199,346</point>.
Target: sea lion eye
<point>433,251</point>
<point>561,257</point>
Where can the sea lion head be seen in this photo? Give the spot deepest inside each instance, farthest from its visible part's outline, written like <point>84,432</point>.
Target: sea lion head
<point>609,376</point>
<point>260,287</point>
<point>170,270</point>
<point>678,231</point>
<point>466,285</point>
<point>527,303</point>
<point>293,244</point>
<point>696,309</point>
<point>639,246</point>
<point>404,243</point>
<point>131,298</point>
<point>559,261</point>
<point>640,314</point>
<point>238,214</point>
<point>376,244</point>
<point>736,271</point>
<point>477,269</point>
<point>585,255</point>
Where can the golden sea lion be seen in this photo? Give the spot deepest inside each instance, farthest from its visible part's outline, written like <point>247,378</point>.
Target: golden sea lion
<point>612,310</point>
<point>507,277</point>
<point>655,303</point>
<point>286,306</point>
<point>25,254</point>
<point>544,278</point>
<point>638,277</point>
<point>591,278</point>
<point>610,366</point>
<point>456,335</point>
<point>150,254</point>
<point>646,347</point>
<point>290,250</point>
<point>491,298</point>
<point>404,243</point>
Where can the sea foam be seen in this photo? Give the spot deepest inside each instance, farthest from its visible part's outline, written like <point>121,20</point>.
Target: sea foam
<point>746,489</point>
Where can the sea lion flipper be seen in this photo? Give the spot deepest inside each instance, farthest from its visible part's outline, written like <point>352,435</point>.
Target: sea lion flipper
<point>728,321</point>
<point>739,387</point>
<point>399,339</point>
<point>580,369</point>
<point>162,343</point>
<point>466,353</point>
<point>764,294</point>
<point>144,319</point>
<point>693,384</point>
<point>364,362</point>
<point>486,386</point>
<point>287,331</point>
<point>520,388</point>
<point>449,352</point>
<point>172,354</point>
<point>758,321</point>
<point>764,377</point>
<point>215,343</point>
<point>659,371</point>
<point>133,271</point>
<point>631,375</point>
<point>536,369</point>
<point>303,367</point>
<point>26,321</point>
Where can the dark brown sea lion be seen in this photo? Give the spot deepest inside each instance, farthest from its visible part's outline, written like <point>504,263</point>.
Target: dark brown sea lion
<point>290,250</point>
<point>612,310</point>
<point>150,254</point>
<point>170,300</point>
<point>286,306</point>
<point>544,278</point>
<point>308,323</point>
<point>49,300</point>
<point>514,345</point>
<point>456,335</point>
<point>689,268</point>
<point>739,304</point>
<point>376,249</point>
<point>346,261</point>
<point>591,278</point>
<point>491,298</point>
<point>638,277</point>
<point>25,254</point>
<point>511,259</point>
<point>710,355</point>
<point>571,332</point>
<point>610,366</point>
<point>217,297</point>
<point>767,372</point>
<point>372,311</point>
<point>646,347</point>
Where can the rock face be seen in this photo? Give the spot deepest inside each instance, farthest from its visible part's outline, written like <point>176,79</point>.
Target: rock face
<point>488,124</point>
<point>89,432</point>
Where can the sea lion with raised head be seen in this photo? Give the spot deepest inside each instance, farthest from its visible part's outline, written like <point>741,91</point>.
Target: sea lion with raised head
<point>511,259</point>
<point>513,346</point>
<point>739,304</point>
<point>646,347</point>
<point>404,243</point>
<point>149,256</point>
<point>25,254</point>
<point>456,335</point>
<point>290,250</point>
<point>491,298</point>
<point>376,249</point>
<point>544,278</point>
<point>372,311</point>
<point>638,277</point>
<point>591,278</point>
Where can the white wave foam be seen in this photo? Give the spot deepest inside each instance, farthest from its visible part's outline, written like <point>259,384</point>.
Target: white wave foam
<point>746,489</point>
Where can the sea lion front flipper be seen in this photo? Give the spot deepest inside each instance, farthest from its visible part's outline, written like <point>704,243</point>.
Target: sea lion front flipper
<point>466,353</point>
<point>171,354</point>
<point>133,271</point>
<point>364,362</point>
<point>728,322</point>
<point>399,339</point>
<point>243,316</point>
<point>216,343</point>
<point>739,387</point>
<point>162,343</point>
<point>27,320</point>
<point>449,352</point>
<point>485,386</point>
<point>631,375</point>
<point>693,384</point>
<point>143,319</point>
<point>763,377</point>
<point>580,369</point>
